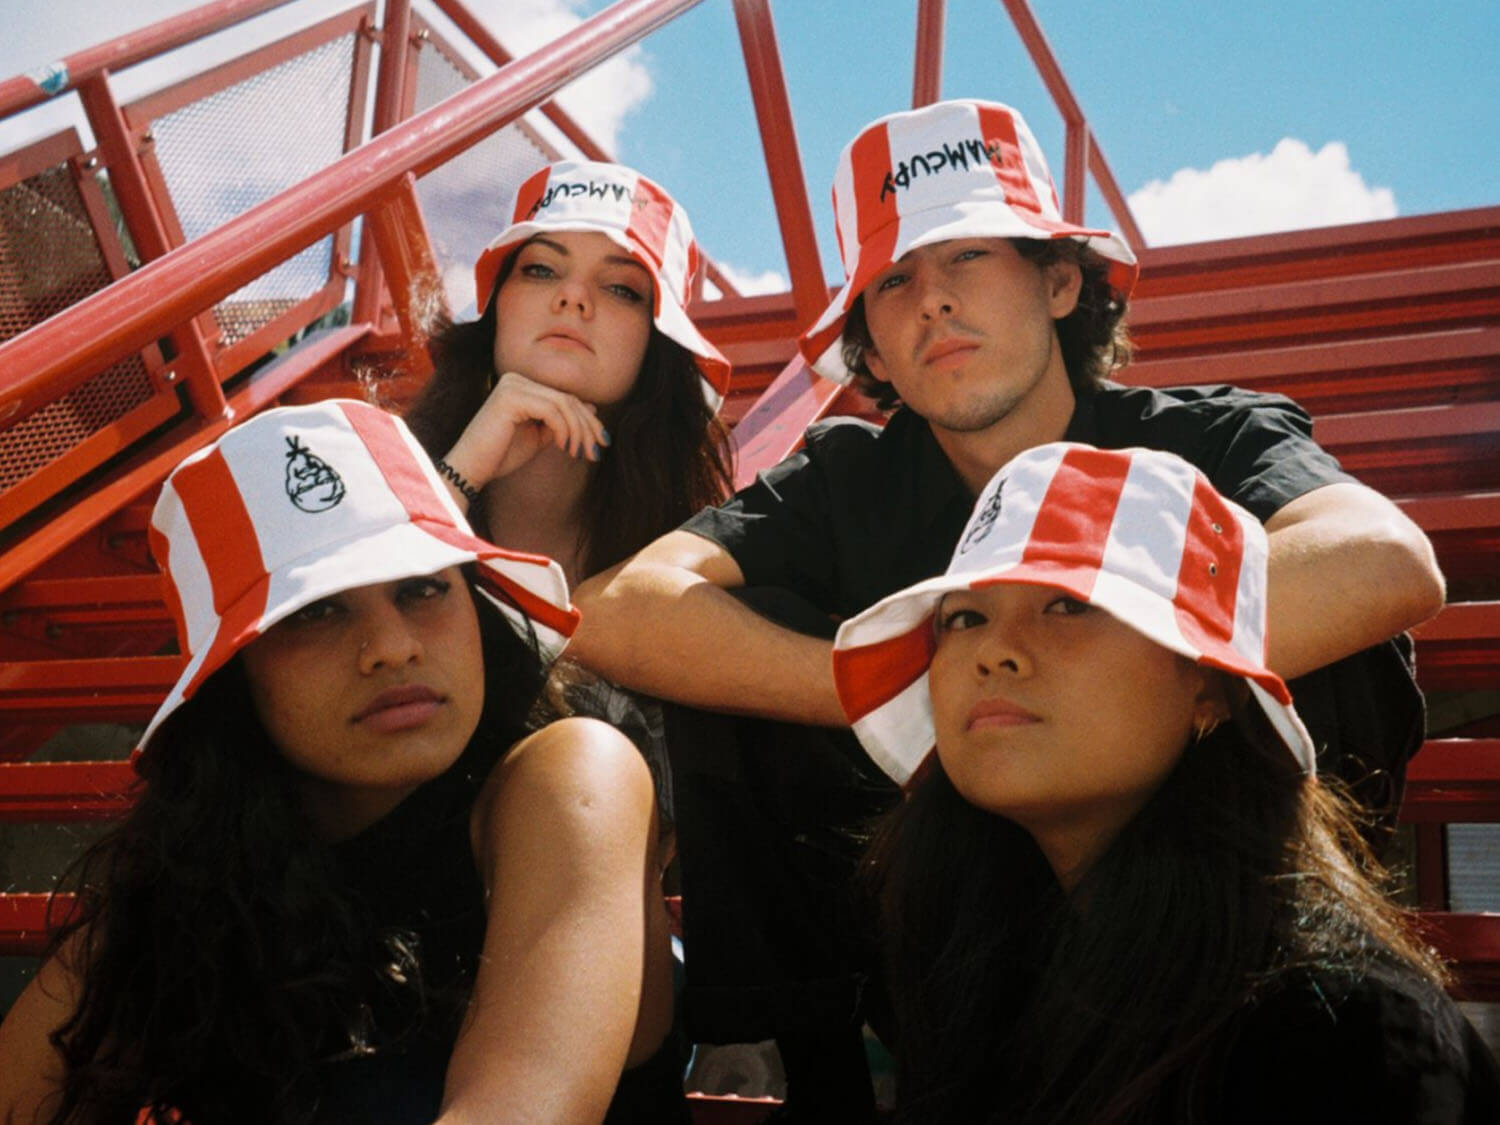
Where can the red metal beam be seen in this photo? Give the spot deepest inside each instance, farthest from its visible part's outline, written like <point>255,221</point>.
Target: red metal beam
<point>773,427</point>
<point>1081,140</point>
<point>144,220</point>
<point>50,359</point>
<point>411,271</point>
<point>63,792</point>
<point>125,483</point>
<point>927,68</point>
<point>778,138</point>
<point>72,70</point>
<point>481,37</point>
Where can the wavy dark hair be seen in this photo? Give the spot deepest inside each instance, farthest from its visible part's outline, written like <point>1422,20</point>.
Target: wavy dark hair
<point>669,456</point>
<point>219,955</point>
<point>1094,338</point>
<point>1016,1001</point>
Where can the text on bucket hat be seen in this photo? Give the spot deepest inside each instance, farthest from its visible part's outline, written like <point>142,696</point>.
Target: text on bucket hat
<point>955,169</point>
<point>303,502</point>
<point>1137,532</point>
<point>635,214</point>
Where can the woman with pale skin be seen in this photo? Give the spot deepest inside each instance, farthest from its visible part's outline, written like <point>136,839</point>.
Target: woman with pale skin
<point>1118,891</point>
<point>352,886</point>
<point>577,413</point>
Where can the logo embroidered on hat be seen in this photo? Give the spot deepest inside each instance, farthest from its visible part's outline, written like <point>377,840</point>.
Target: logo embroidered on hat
<point>239,557</point>
<point>1139,533</point>
<point>955,169</point>
<point>311,483</point>
<point>638,216</point>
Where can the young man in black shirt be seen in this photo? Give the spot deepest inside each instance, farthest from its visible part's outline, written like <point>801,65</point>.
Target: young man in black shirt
<point>990,323</point>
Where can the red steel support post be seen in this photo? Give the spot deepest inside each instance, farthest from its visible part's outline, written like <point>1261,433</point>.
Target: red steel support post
<point>927,70</point>
<point>399,233</point>
<point>778,137</point>
<point>390,81</point>
<point>1062,95</point>
<point>1075,171</point>
<point>194,363</point>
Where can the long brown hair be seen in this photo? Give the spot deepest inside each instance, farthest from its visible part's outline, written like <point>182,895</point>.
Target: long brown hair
<point>1016,1001</point>
<point>670,454</point>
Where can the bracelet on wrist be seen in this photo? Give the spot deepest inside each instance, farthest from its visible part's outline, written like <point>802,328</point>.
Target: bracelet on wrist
<point>449,473</point>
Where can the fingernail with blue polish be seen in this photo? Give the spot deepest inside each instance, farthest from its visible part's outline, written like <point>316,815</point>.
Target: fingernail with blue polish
<point>604,437</point>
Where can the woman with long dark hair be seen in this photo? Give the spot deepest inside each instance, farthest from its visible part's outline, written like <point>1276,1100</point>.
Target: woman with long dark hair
<point>1118,891</point>
<point>352,887</point>
<point>577,414</point>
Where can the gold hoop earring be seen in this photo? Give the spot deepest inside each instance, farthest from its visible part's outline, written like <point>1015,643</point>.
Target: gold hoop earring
<point>1204,726</point>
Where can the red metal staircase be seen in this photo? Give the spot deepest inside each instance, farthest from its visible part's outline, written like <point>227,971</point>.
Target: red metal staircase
<point>129,337</point>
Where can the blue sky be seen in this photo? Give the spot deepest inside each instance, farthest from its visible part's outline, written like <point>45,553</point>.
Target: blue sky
<point>1217,119</point>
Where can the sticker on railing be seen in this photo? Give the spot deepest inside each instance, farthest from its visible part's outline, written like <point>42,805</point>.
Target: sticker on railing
<point>52,78</point>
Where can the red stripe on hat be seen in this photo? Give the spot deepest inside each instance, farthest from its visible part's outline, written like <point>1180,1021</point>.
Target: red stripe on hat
<point>397,463</point>
<point>529,195</point>
<point>562,621</point>
<point>997,129</point>
<point>870,168</point>
<point>230,549</point>
<point>870,676</point>
<point>1072,525</point>
<point>161,551</point>
<point>1208,579</point>
<point>406,477</point>
<point>650,220</point>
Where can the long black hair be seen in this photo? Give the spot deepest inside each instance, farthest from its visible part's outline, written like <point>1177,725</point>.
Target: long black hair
<point>668,459</point>
<point>1018,1001</point>
<point>220,958</point>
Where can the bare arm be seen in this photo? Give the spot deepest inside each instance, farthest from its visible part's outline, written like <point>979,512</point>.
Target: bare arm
<point>664,624</point>
<point>1347,570</point>
<point>32,1071</point>
<point>575,977</point>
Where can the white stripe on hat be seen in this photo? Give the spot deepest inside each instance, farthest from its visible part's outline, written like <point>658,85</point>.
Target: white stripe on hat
<point>1146,536</point>
<point>892,733</point>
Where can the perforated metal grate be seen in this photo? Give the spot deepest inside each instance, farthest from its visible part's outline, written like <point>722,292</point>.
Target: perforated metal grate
<point>229,151</point>
<point>461,199</point>
<point>50,259</point>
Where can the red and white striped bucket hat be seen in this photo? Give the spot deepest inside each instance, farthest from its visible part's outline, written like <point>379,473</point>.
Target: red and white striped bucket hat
<point>1137,532</point>
<point>956,169</point>
<point>302,502</point>
<point>635,214</point>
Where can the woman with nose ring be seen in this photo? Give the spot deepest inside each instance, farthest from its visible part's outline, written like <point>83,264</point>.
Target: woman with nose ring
<point>1118,891</point>
<point>353,887</point>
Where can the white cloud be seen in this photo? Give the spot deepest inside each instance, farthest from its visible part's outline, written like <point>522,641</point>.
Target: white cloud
<point>1290,188</point>
<point>748,282</point>
<point>601,99</point>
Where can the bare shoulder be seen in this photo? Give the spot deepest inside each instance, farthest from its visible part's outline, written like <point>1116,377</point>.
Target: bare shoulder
<point>32,1075</point>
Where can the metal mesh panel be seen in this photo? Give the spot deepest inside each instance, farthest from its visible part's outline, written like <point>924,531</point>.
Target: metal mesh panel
<point>461,200</point>
<point>50,259</point>
<point>236,148</point>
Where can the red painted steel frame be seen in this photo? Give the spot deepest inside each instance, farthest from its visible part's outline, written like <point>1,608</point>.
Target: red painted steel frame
<point>1082,148</point>
<point>22,91</point>
<point>46,361</point>
<point>927,69</point>
<point>778,137</point>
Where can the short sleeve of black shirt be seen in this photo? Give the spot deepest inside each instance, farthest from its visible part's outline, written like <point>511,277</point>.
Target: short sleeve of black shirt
<point>862,512</point>
<point>858,513</point>
<point>1257,449</point>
